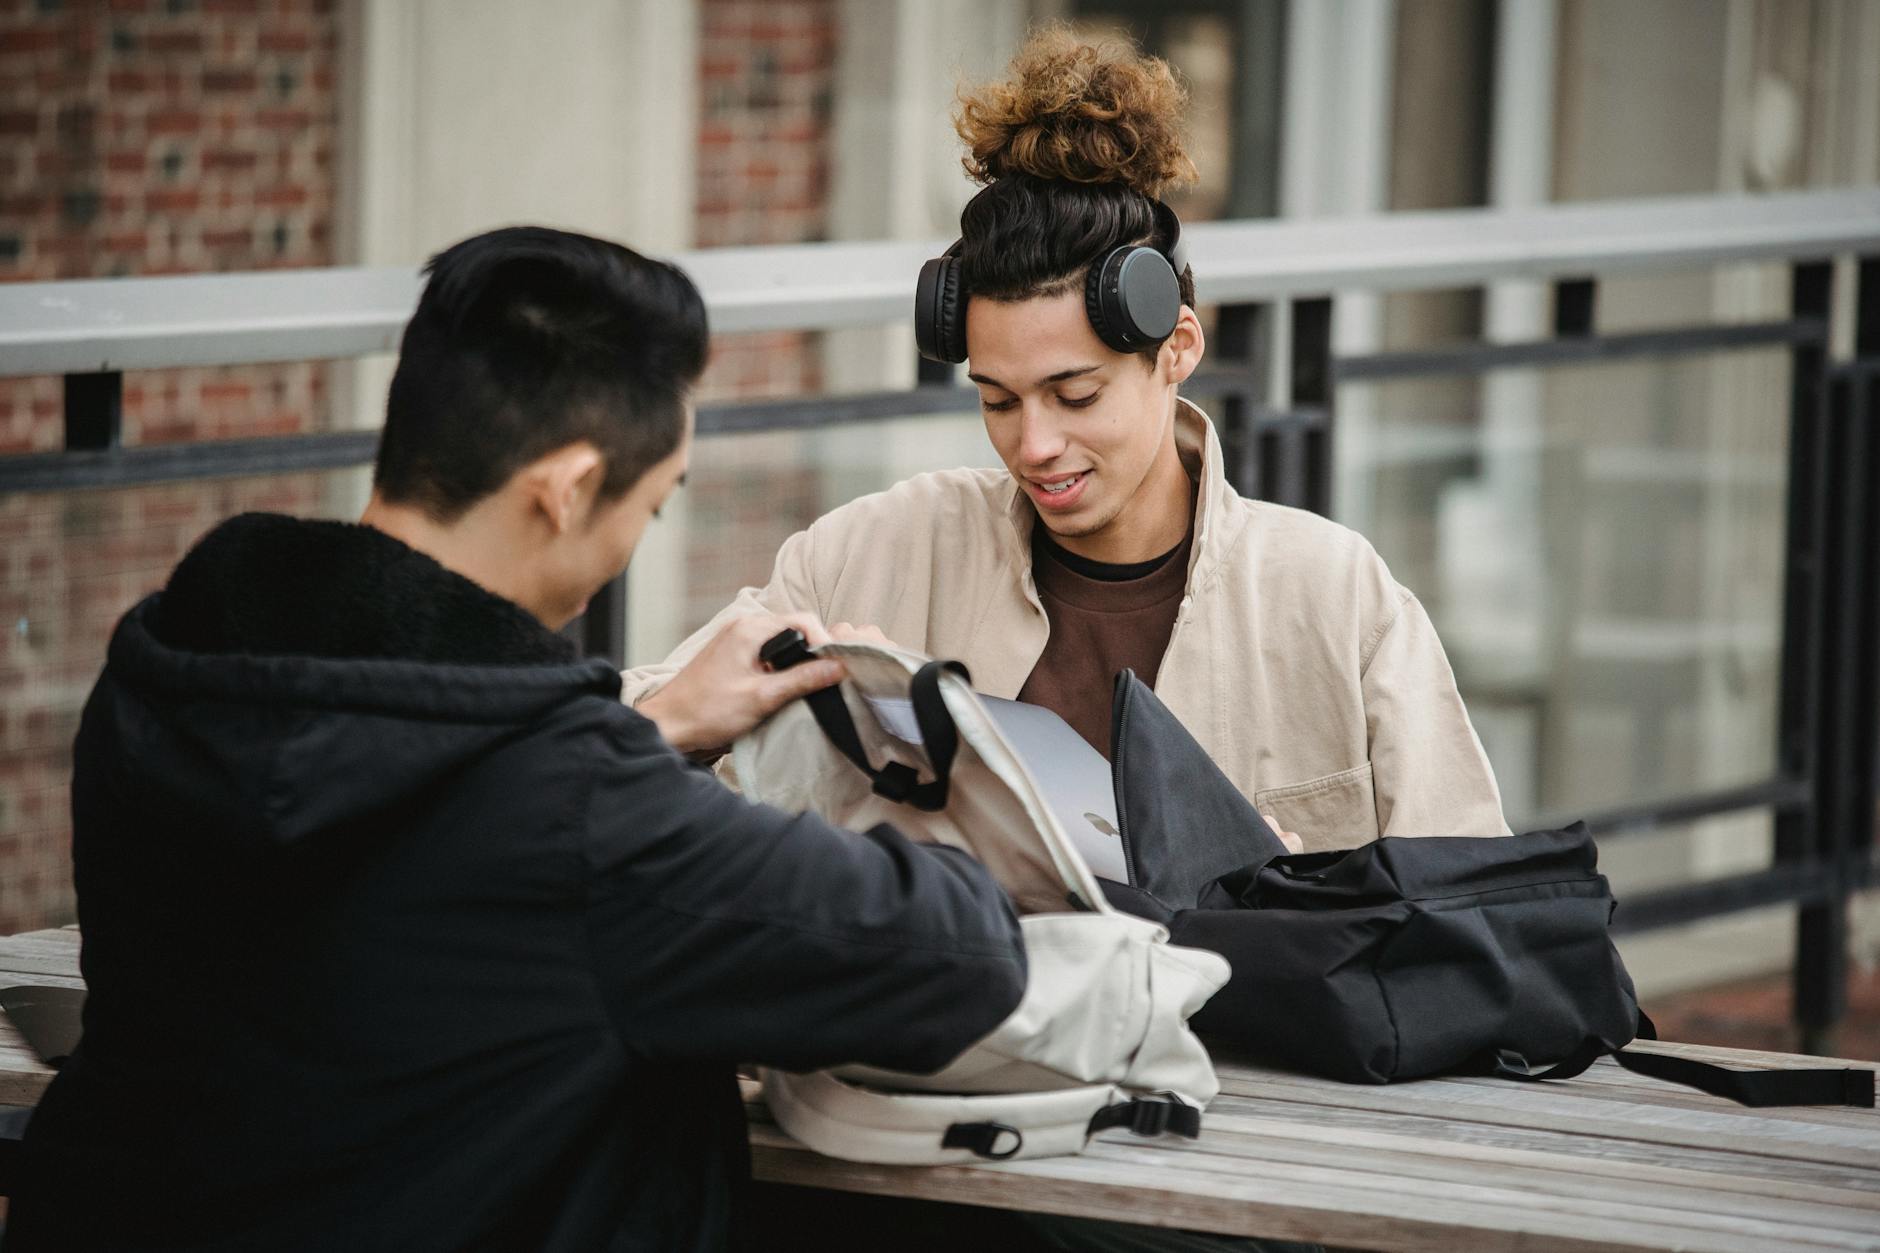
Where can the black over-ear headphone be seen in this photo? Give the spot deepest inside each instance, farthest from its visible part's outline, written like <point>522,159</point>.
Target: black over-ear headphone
<point>1133,296</point>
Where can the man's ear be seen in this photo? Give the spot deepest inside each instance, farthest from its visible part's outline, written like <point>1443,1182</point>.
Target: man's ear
<point>564,483</point>
<point>1182,350</point>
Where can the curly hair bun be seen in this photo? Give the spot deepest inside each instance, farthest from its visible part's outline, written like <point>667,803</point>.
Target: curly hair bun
<point>1079,109</point>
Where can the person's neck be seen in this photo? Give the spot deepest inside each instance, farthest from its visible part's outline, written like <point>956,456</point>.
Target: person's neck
<point>476,545</point>
<point>1151,522</point>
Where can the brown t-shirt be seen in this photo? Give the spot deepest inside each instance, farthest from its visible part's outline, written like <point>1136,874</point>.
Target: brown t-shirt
<point>1104,618</point>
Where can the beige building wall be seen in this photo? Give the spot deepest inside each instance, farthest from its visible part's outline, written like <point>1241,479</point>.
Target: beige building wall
<point>897,176</point>
<point>465,115</point>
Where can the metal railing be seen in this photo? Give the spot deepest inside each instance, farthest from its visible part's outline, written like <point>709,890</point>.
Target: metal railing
<point>1274,375</point>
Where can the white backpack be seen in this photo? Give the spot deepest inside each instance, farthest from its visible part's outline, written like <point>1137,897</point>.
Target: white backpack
<point>1100,1038</point>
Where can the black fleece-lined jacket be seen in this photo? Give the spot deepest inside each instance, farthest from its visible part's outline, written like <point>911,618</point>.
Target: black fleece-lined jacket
<point>401,932</point>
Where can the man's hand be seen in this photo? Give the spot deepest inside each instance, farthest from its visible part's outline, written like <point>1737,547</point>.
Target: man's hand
<point>725,691</point>
<point>1292,842</point>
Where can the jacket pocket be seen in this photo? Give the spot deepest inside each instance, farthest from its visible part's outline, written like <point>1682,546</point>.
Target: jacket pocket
<point>1333,811</point>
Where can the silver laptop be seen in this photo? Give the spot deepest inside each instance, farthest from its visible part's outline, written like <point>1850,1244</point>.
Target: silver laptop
<point>1073,776</point>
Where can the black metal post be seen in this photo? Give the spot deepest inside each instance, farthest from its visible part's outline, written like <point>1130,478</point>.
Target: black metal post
<point>605,623</point>
<point>1312,388</point>
<point>94,411</point>
<point>602,630</point>
<point>1855,404</point>
<point>1801,748</point>
<point>1849,679</point>
<point>1865,833</point>
<point>1796,748</point>
<point>1574,301</point>
<point>1240,341</point>
<point>1821,929</point>
<point>1864,637</point>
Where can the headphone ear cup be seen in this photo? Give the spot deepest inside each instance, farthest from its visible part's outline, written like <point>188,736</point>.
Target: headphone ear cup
<point>1100,311</point>
<point>951,313</point>
<point>927,329</point>
<point>939,330</point>
<point>1133,298</point>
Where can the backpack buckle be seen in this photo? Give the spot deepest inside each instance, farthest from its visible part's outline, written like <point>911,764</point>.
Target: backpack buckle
<point>982,1139</point>
<point>1149,1118</point>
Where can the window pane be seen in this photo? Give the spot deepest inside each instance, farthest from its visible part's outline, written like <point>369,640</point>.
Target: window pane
<point>1601,548</point>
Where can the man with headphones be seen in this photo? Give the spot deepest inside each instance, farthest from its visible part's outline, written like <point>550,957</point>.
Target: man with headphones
<point>1112,538</point>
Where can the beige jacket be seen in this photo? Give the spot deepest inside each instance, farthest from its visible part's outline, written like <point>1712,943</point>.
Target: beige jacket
<point>1308,674</point>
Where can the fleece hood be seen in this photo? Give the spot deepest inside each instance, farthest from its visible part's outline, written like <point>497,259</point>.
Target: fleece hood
<point>297,677</point>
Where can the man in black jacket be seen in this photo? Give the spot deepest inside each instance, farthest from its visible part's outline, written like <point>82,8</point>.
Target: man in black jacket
<point>401,932</point>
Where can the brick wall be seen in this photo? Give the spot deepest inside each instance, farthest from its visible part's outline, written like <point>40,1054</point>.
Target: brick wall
<point>766,74</point>
<point>140,137</point>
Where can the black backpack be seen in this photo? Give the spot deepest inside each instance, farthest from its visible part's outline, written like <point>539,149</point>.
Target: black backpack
<point>1400,958</point>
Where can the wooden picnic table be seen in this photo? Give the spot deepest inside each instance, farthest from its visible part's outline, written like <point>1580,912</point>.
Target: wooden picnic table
<point>1610,1160</point>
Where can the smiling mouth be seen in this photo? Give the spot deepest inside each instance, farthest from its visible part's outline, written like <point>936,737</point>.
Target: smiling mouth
<point>1062,485</point>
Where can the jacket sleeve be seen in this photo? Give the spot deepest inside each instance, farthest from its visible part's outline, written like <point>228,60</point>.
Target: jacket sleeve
<point>792,589</point>
<point>1428,770</point>
<point>720,929</point>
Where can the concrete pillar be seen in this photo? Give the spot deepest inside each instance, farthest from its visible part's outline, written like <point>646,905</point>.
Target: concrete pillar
<point>474,113</point>
<point>1335,162</point>
<point>897,176</point>
<point>464,115</point>
<point>1497,581</point>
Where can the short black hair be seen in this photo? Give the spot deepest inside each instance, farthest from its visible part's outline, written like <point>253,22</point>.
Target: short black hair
<point>526,340</point>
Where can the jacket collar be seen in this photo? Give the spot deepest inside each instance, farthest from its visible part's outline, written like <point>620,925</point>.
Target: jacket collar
<point>1217,523</point>
<point>297,678</point>
<point>267,585</point>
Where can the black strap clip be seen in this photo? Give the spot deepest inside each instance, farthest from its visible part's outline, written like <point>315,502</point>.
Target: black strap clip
<point>1148,1116</point>
<point>982,1138</point>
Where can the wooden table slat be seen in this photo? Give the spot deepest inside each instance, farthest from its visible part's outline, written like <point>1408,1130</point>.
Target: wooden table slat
<point>1400,1162</point>
<point>1777,1175</point>
<point>1111,1180</point>
<point>1565,1211</point>
<point>1560,1107</point>
<point>1736,1173</point>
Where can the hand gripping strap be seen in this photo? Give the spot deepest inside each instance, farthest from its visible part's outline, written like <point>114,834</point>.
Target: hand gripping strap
<point>895,781</point>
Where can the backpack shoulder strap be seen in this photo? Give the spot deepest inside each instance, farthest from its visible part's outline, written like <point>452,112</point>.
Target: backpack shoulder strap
<point>1847,1086</point>
<point>1758,1088</point>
